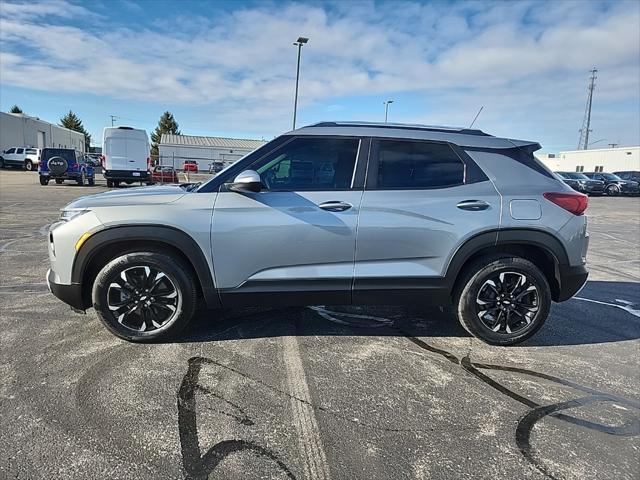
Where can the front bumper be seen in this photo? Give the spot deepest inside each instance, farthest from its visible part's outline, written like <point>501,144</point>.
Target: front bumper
<point>69,294</point>
<point>571,280</point>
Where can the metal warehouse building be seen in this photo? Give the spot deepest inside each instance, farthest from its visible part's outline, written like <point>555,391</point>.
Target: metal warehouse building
<point>599,160</point>
<point>19,130</point>
<point>175,149</point>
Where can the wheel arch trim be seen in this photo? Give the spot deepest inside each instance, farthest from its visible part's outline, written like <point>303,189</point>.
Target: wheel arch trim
<point>153,234</point>
<point>512,236</point>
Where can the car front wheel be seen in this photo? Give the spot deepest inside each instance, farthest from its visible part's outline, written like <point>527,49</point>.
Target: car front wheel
<point>502,300</point>
<point>144,296</point>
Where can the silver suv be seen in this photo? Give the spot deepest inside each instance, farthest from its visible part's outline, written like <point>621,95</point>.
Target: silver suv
<point>334,213</point>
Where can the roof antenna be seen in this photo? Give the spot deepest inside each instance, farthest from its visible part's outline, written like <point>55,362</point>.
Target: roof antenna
<point>476,117</point>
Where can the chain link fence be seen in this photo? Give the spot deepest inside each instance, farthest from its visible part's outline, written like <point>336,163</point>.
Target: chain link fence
<point>174,168</point>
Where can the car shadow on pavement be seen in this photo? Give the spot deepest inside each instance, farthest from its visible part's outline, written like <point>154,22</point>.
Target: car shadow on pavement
<point>602,312</point>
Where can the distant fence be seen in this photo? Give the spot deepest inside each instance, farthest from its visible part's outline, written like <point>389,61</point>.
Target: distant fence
<point>188,169</point>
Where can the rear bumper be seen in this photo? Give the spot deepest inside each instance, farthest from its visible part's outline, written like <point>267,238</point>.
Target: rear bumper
<point>69,294</point>
<point>571,280</point>
<point>126,175</point>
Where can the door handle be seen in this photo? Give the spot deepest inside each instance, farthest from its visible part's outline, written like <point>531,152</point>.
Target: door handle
<point>473,205</point>
<point>335,206</point>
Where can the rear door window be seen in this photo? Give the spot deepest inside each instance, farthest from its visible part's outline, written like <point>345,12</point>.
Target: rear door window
<point>415,165</point>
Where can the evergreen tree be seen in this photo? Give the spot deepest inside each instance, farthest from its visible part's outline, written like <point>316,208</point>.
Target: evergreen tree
<point>72,122</point>
<point>16,109</point>
<point>166,124</point>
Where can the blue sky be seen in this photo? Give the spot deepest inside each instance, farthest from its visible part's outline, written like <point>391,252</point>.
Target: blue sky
<point>228,67</point>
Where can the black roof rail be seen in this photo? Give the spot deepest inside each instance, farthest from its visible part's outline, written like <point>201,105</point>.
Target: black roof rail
<point>403,126</point>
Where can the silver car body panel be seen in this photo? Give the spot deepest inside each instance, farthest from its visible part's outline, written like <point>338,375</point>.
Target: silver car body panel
<point>414,233</point>
<point>283,236</point>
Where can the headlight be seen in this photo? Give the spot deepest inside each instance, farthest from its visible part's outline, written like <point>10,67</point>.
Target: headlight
<point>66,215</point>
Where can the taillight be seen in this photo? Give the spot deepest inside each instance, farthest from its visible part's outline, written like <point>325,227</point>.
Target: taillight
<point>575,203</point>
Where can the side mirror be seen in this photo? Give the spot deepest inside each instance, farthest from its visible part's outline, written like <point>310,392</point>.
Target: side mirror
<point>247,181</point>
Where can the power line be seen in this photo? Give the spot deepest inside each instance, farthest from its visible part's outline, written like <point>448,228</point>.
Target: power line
<point>583,143</point>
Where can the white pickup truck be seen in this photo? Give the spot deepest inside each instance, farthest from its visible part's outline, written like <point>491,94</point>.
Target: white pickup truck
<point>25,157</point>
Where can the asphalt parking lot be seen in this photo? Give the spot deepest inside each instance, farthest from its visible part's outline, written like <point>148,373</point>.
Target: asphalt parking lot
<point>316,393</point>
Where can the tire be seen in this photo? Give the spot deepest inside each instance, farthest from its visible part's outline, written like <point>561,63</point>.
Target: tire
<point>91,181</point>
<point>116,183</point>
<point>514,322</point>
<point>82,179</point>
<point>44,181</point>
<point>57,165</point>
<point>157,322</point>
<point>59,181</point>
<point>612,191</point>
<point>28,165</point>
<point>2,162</point>
<point>109,183</point>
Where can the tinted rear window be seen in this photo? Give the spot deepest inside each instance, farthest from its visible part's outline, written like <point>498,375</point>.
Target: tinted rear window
<point>417,165</point>
<point>68,155</point>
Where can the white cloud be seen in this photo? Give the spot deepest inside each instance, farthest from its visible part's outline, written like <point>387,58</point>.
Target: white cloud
<point>527,54</point>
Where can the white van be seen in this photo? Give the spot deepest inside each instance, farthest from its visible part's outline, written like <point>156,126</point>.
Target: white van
<point>125,155</point>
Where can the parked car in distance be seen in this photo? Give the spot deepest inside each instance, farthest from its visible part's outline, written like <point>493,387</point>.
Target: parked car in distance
<point>164,174</point>
<point>614,185</point>
<point>581,183</point>
<point>443,216</point>
<point>94,159</point>
<point>190,166</point>
<point>60,164</point>
<point>216,167</point>
<point>125,153</point>
<point>631,176</point>
<point>24,157</point>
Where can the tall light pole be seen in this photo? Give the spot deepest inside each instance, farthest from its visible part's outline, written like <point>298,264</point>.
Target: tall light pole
<point>386,109</point>
<point>298,43</point>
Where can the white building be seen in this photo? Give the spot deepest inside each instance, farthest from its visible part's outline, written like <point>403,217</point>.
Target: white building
<point>598,160</point>
<point>19,130</point>
<point>175,149</point>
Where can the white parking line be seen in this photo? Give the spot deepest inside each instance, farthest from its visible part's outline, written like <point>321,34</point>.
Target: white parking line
<point>304,419</point>
<point>626,305</point>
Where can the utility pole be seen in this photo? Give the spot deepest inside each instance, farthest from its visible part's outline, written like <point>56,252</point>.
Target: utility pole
<point>386,109</point>
<point>113,120</point>
<point>612,145</point>
<point>583,143</point>
<point>298,43</point>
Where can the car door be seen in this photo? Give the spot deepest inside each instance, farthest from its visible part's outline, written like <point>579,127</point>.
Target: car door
<point>296,237</point>
<point>17,158</point>
<point>422,200</point>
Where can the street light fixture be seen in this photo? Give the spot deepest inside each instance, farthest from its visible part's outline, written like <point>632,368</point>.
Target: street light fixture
<point>298,43</point>
<point>386,109</point>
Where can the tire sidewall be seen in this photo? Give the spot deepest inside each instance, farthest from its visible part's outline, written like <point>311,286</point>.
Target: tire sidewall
<point>176,272</point>
<point>466,300</point>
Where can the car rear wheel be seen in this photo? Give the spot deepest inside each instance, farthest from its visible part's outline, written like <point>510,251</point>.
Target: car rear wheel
<point>28,165</point>
<point>82,179</point>
<point>91,181</point>
<point>145,296</point>
<point>1,162</point>
<point>44,181</point>
<point>502,300</point>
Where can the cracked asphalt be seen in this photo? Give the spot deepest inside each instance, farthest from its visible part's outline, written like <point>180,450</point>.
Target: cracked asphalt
<point>318,393</point>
